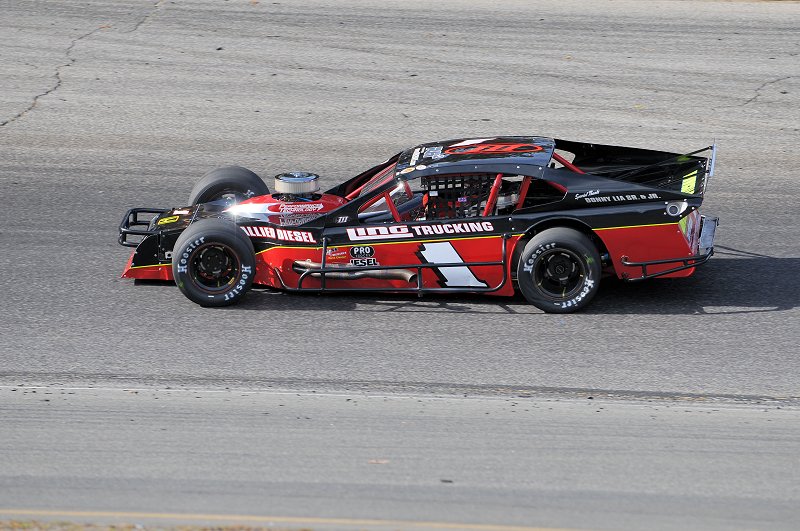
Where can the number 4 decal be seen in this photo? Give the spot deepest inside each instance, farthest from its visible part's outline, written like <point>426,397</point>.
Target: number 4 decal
<point>456,276</point>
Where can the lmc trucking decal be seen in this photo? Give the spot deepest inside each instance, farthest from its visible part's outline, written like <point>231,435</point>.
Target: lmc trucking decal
<point>392,232</point>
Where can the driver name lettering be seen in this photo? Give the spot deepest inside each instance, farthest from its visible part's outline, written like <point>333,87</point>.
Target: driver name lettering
<point>279,234</point>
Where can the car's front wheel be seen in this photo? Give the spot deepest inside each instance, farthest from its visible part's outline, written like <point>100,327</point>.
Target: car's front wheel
<point>213,262</point>
<point>559,270</point>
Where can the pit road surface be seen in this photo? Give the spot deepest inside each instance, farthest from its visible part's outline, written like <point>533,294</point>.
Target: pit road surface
<point>109,105</point>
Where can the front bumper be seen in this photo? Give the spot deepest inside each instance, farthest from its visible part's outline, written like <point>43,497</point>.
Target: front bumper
<point>131,225</point>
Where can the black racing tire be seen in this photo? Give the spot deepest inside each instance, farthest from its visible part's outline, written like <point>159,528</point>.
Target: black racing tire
<point>213,262</point>
<point>231,182</point>
<point>559,270</point>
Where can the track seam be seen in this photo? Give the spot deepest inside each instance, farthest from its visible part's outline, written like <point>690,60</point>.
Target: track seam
<point>70,60</point>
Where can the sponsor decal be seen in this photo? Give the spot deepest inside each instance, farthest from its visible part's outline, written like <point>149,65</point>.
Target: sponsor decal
<point>587,194</point>
<point>292,219</point>
<point>391,232</point>
<point>364,262</point>
<point>414,157</point>
<point>362,251</point>
<point>492,149</point>
<point>434,153</point>
<point>453,228</point>
<point>342,219</point>
<point>168,219</point>
<point>294,208</point>
<point>407,170</point>
<point>300,236</point>
<point>334,253</point>
<point>181,212</point>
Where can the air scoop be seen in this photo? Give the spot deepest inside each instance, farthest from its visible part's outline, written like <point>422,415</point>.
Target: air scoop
<point>297,183</point>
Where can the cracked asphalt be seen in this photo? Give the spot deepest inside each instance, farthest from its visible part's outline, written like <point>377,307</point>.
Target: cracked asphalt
<point>106,105</point>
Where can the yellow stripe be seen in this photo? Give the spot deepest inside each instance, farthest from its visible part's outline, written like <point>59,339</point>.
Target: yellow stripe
<point>375,244</point>
<point>344,245</point>
<point>403,524</point>
<point>152,265</point>
<point>638,226</point>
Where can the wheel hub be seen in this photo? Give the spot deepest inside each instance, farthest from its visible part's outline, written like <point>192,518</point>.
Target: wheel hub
<point>559,274</point>
<point>560,268</point>
<point>213,267</point>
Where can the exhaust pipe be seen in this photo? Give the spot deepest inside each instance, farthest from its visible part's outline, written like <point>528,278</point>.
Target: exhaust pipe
<point>381,274</point>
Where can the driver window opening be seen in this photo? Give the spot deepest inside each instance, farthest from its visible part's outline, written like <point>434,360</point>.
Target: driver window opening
<point>456,196</point>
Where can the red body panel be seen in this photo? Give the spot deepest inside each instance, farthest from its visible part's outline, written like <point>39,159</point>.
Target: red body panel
<point>148,272</point>
<point>650,242</point>
<point>275,266</point>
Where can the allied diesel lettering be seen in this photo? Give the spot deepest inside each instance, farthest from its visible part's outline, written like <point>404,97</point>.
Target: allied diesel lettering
<point>299,236</point>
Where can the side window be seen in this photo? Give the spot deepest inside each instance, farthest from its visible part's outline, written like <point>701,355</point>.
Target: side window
<point>454,196</point>
<point>472,195</point>
<point>398,204</point>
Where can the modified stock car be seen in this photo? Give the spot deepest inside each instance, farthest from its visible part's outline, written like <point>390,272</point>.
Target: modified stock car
<point>486,215</point>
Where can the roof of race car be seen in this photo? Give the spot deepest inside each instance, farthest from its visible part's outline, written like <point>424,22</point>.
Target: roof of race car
<point>475,152</point>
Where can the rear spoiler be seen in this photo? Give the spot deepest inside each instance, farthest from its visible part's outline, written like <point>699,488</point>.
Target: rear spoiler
<point>706,168</point>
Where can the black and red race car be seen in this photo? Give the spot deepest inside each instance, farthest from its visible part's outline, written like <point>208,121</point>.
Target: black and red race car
<point>484,215</point>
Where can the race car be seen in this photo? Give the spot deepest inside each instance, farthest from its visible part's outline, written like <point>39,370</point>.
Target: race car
<point>544,216</point>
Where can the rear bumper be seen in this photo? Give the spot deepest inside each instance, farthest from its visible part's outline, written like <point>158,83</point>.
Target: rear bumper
<point>708,229</point>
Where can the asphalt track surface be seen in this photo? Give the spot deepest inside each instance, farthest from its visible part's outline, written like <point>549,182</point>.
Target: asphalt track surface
<point>109,105</point>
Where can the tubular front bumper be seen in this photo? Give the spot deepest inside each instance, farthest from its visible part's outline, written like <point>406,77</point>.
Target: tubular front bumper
<point>131,225</point>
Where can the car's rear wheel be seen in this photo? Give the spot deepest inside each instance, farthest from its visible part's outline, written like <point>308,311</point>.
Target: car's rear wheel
<point>559,270</point>
<point>213,262</point>
<point>231,183</point>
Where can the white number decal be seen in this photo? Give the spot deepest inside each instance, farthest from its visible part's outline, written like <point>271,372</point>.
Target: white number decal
<point>445,253</point>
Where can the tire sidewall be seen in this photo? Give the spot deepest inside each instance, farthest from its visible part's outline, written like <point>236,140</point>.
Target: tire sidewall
<point>229,178</point>
<point>559,239</point>
<point>196,236</point>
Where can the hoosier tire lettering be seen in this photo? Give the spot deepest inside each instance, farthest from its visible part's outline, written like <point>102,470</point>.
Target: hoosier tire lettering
<point>213,262</point>
<point>559,270</point>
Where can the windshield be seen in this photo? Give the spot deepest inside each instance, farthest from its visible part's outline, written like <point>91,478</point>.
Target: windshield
<point>381,178</point>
